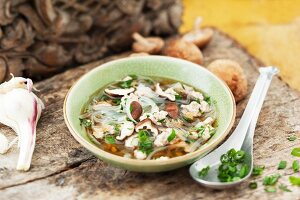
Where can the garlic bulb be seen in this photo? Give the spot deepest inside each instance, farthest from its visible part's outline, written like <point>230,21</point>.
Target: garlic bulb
<point>20,109</point>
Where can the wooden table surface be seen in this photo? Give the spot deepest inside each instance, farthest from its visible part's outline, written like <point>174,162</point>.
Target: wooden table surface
<point>62,169</point>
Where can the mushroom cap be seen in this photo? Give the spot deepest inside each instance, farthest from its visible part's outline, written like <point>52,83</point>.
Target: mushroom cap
<point>233,75</point>
<point>179,48</point>
<point>154,46</point>
<point>199,37</point>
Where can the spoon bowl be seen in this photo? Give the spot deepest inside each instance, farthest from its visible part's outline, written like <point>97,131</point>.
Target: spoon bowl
<point>241,138</point>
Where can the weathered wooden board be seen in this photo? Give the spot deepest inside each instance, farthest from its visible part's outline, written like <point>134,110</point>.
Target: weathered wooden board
<point>62,169</point>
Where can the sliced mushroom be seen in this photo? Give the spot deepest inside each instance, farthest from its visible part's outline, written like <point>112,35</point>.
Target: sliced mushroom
<point>169,93</point>
<point>119,92</point>
<point>199,36</point>
<point>126,130</point>
<point>151,45</point>
<point>136,110</point>
<point>172,109</point>
<point>147,124</point>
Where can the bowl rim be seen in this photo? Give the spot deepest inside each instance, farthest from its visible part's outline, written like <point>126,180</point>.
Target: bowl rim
<point>129,161</point>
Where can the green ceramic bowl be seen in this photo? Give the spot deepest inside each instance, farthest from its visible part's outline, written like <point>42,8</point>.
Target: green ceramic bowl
<point>160,66</point>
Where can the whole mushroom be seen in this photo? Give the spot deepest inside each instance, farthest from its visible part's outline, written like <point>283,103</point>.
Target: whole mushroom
<point>180,48</point>
<point>199,36</point>
<point>150,45</point>
<point>233,75</point>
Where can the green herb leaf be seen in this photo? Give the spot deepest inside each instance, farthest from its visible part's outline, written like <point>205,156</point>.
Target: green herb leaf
<point>291,138</point>
<point>125,84</point>
<point>296,166</point>
<point>171,136</point>
<point>85,122</point>
<point>252,185</point>
<point>296,152</point>
<point>145,143</point>
<point>203,172</point>
<point>282,164</point>
<point>243,171</point>
<point>109,139</point>
<point>178,97</point>
<point>271,180</point>
<point>207,99</point>
<point>294,180</point>
<point>284,188</point>
<point>116,101</point>
<point>270,189</point>
<point>258,170</point>
<point>131,108</point>
<point>189,120</point>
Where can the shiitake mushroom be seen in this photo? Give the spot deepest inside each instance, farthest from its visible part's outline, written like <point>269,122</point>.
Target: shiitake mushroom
<point>233,75</point>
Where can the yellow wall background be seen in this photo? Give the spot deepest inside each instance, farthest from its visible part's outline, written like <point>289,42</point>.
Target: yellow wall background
<point>269,29</point>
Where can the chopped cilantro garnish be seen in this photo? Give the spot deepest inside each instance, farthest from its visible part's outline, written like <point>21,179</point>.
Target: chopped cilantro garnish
<point>204,171</point>
<point>296,152</point>
<point>161,120</point>
<point>109,139</point>
<point>252,185</point>
<point>178,97</point>
<point>282,164</point>
<point>171,136</point>
<point>258,170</point>
<point>189,120</point>
<point>291,138</point>
<point>294,180</point>
<point>296,166</point>
<point>145,143</point>
<point>116,101</point>
<point>125,84</point>
<point>270,189</point>
<point>85,122</point>
<point>207,99</point>
<point>117,128</point>
<point>284,188</point>
<point>271,180</point>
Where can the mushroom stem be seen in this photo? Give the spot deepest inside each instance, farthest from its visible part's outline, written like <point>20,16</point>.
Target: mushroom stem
<point>139,38</point>
<point>197,23</point>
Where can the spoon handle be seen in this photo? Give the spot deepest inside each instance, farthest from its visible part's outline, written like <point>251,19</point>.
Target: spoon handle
<point>257,109</point>
<point>237,137</point>
<point>254,106</point>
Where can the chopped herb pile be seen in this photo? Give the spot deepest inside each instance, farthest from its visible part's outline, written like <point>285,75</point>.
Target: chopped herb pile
<point>203,172</point>
<point>232,166</point>
<point>145,142</point>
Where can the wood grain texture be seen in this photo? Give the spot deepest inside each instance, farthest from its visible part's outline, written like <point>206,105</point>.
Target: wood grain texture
<point>62,169</point>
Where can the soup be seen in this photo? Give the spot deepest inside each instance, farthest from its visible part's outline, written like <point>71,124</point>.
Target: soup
<point>149,118</point>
